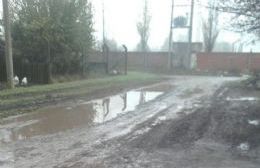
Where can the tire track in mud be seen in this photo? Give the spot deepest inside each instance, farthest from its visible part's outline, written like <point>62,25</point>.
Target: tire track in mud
<point>75,147</point>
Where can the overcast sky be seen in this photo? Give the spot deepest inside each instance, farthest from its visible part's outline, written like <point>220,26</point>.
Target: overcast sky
<point>122,15</point>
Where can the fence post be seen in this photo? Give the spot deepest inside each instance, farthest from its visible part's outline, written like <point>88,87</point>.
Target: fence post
<point>248,62</point>
<point>106,55</point>
<point>49,67</point>
<point>126,58</point>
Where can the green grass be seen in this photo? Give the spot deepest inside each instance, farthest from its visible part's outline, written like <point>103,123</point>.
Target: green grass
<point>133,76</point>
<point>28,97</point>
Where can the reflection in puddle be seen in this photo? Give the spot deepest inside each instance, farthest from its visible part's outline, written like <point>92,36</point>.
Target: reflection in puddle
<point>110,108</point>
<point>57,119</point>
<point>254,122</point>
<point>242,99</point>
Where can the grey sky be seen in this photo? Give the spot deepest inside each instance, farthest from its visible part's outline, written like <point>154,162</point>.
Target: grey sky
<point>122,16</point>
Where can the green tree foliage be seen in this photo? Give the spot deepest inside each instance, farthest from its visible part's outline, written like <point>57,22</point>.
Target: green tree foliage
<point>59,30</point>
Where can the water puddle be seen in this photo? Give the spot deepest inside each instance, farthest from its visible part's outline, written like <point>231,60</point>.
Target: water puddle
<point>61,118</point>
<point>242,99</point>
<point>244,147</point>
<point>254,122</point>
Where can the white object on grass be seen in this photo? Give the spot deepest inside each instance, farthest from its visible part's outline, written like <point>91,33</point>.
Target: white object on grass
<point>24,81</point>
<point>16,81</point>
<point>115,72</point>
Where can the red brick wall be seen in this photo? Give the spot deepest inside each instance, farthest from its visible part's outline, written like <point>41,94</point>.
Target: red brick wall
<point>228,61</point>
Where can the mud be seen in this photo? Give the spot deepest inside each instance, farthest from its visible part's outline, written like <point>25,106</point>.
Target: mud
<point>77,114</point>
<point>219,135</point>
<point>170,131</point>
<point>57,98</point>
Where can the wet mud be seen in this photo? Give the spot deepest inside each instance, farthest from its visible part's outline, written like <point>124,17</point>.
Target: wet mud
<point>224,133</point>
<point>77,114</point>
<point>184,123</point>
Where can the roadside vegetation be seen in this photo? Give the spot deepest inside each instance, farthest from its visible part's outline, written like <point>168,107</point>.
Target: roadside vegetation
<point>26,99</point>
<point>56,32</point>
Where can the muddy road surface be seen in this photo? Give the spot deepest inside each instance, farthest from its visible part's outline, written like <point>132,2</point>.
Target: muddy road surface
<point>131,129</point>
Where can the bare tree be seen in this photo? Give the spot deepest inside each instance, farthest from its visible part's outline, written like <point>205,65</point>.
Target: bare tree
<point>246,14</point>
<point>143,28</point>
<point>210,28</point>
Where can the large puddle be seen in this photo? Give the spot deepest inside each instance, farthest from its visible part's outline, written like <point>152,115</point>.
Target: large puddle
<point>61,118</point>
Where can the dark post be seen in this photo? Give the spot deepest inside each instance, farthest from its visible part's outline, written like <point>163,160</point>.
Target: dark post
<point>126,58</point>
<point>250,61</point>
<point>49,62</point>
<point>106,55</point>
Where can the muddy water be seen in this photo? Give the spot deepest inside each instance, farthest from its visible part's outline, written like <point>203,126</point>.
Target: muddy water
<point>61,118</point>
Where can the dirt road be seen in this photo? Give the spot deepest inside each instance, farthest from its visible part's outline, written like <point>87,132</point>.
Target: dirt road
<point>152,126</point>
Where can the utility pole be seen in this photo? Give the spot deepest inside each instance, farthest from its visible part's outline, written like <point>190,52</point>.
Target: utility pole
<point>103,18</point>
<point>170,39</point>
<point>8,46</point>
<point>190,35</point>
